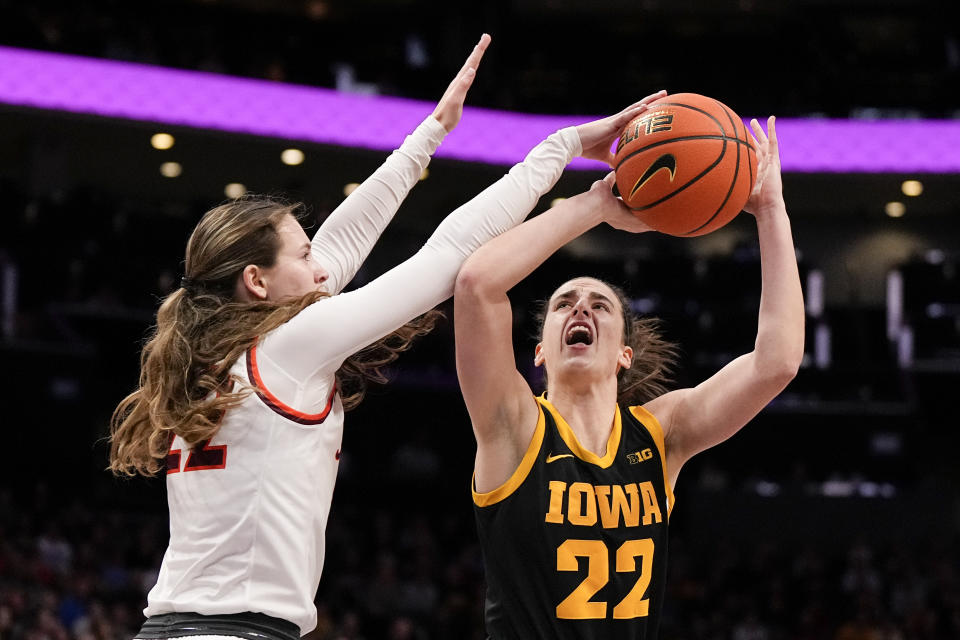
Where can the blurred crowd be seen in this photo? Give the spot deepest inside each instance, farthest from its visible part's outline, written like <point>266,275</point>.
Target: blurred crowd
<point>69,572</point>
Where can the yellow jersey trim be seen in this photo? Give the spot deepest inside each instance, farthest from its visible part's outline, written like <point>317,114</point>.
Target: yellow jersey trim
<point>520,473</point>
<point>650,422</point>
<point>570,438</point>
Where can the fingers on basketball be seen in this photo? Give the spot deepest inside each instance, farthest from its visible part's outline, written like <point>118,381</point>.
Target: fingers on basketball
<point>637,108</point>
<point>654,96</point>
<point>772,128</point>
<point>621,119</point>
<point>758,132</point>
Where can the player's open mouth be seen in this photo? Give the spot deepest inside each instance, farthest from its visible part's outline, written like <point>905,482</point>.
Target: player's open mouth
<point>579,333</point>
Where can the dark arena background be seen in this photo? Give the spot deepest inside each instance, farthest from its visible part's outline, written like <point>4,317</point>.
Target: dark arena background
<point>834,515</point>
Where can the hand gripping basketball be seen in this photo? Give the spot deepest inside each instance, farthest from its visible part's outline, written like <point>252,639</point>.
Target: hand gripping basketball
<point>597,137</point>
<point>768,189</point>
<point>612,210</point>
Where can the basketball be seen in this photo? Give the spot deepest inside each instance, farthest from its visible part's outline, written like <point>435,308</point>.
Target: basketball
<point>686,166</point>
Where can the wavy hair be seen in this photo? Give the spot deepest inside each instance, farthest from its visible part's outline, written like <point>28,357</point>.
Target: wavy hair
<point>654,358</point>
<point>185,385</point>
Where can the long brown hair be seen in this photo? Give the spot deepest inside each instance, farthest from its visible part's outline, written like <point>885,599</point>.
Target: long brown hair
<point>653,357</point>
<point>201,330</point>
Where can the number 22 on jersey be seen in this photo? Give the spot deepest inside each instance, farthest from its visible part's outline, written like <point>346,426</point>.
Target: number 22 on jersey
<point>577,605</point>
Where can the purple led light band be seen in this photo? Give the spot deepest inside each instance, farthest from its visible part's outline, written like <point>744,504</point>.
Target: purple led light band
<point>259,107</point>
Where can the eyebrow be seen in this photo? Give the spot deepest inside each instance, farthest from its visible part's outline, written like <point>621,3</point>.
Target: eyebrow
<point>593,295</point>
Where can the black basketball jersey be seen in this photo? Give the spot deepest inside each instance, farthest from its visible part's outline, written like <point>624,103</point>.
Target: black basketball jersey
<point>575,545</point>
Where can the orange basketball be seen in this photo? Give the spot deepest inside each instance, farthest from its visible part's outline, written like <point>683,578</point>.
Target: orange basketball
<point>686,166</point>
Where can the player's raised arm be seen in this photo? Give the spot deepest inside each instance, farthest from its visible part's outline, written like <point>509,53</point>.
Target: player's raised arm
<point>698,418</point>
<point>498,398</point>
<point>347,236</point>
<point>501,407</point>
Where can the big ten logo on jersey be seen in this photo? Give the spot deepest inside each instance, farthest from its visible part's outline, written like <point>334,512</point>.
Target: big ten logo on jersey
<point>639,456</point>
<point>616,505</point>
<point>650,123</point>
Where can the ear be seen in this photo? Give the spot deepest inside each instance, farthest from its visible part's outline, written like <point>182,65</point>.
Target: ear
<point>253,286</point>
<point>538,355</point>
<point>625,359</point>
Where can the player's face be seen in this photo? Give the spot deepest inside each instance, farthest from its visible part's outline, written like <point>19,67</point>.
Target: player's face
<point>295,273</point>
<point>583,333</point>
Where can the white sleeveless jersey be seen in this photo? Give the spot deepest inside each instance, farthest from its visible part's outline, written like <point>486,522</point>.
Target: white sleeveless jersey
<point>249,508</point>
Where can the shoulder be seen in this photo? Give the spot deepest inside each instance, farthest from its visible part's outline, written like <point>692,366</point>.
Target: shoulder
<point>660,410</point>
<point>661,417</point>
<point>646,420</point>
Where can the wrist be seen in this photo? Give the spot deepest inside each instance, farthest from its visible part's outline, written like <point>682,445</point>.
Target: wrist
<point>572,141</point>
<point>771,209</point>
<point>432,128</point>
<point>771,215</point>
<point>590,207</point>
<point>445,122</point>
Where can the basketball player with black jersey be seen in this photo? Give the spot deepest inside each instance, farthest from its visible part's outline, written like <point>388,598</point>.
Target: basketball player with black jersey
<point>573,490</point>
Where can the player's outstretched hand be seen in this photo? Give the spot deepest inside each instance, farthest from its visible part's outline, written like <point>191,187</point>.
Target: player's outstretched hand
<point>767,191</point>
<point>450,107</point>
<point>597,137</point>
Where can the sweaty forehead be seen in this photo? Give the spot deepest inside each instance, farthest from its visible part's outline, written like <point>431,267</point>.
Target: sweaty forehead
<point>585,286</point>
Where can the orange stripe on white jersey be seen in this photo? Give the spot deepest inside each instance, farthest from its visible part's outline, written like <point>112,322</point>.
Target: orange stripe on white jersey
<point>275,404</point>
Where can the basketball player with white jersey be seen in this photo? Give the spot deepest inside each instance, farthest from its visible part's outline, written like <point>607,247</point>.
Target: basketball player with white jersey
<point>254,359</point>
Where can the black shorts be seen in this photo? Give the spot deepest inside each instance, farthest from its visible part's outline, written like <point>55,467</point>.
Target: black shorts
<point>253,626</point>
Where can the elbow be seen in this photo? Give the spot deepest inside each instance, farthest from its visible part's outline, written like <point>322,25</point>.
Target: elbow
<point>480,282</point>
<point>470,281</point>
<point>781,369</point>
<point>779,356</point>
<point>787,371</point>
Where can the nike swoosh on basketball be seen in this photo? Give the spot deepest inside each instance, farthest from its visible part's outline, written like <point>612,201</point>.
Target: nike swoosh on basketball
<point>666,161</point>
<point>552,458</point>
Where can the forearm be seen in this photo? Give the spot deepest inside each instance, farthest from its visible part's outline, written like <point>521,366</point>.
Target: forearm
<point>345,239</point>
<point>504,204</point>
<point>506,260</point>
<point>322,336</point>
<point>361,317</point>
<point>780,328</point>
<point>703,416</point>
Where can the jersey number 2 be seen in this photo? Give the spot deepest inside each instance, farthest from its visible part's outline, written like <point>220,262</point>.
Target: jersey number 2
<point>201,457</point>
<point>578,606</point>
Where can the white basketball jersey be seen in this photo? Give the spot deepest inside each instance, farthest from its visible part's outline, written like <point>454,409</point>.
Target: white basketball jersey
<point>248,510</point>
